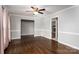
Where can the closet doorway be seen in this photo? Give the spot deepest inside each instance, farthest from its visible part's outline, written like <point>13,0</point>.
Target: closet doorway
<point>27,28</point>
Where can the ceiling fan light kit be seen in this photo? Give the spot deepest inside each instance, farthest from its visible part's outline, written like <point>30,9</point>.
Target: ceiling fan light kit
<point>35,13</point>
<point>37,10</point>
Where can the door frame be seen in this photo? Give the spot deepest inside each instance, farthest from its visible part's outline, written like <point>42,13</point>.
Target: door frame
<point>55,19</point>
<point>26,20</point>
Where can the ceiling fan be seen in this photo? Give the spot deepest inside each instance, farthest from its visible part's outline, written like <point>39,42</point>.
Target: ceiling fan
<point>37,10</point>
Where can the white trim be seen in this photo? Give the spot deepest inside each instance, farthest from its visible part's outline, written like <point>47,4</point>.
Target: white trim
<point>15,38</point>
<point>26,34</point>
<point>69,33</point>
<point>15,30</point>
<point>47,37</point>
<point>72,46</point>
<point>12,14</point>
<point>65,9</point>
<point>69,45</point>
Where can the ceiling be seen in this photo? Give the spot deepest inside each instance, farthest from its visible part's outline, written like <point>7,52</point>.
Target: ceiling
<point>21,9</point>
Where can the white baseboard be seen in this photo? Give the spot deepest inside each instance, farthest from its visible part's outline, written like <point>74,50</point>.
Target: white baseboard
<point>26,34</point>
<point>15,38</point>
<point>72,46</point>
<point>47,37</point>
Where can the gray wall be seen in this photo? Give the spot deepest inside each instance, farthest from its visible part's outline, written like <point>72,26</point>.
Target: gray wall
<point>27,28</point>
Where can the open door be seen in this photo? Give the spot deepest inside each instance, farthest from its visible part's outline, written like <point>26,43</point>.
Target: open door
<point>55,28</point>
<point>54,34</point>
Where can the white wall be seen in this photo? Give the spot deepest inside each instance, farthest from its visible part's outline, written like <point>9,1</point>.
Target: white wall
<point>27,28</point>
<point>42,25</point>
<point>16,25</point>
<point>68,29</point>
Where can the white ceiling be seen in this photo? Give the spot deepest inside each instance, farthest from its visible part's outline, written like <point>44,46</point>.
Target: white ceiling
<point>21,9</point>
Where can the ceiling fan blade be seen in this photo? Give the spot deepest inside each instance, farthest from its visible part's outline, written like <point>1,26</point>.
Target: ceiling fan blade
<point>32,7</point>
<point>42,10</point>
<point>36,9</point>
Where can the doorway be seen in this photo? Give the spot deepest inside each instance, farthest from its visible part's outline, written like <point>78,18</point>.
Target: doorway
<point>55,28</point>
<point>27,28</point>
<point>54,34</point>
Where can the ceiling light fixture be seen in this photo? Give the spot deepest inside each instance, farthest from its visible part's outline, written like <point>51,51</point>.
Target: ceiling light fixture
<point>35,13</point>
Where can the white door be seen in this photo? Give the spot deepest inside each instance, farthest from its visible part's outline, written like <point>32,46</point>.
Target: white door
<point>55,28</point>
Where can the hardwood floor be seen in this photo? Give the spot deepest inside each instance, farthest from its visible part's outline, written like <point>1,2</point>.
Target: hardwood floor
<point>38,45</point>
